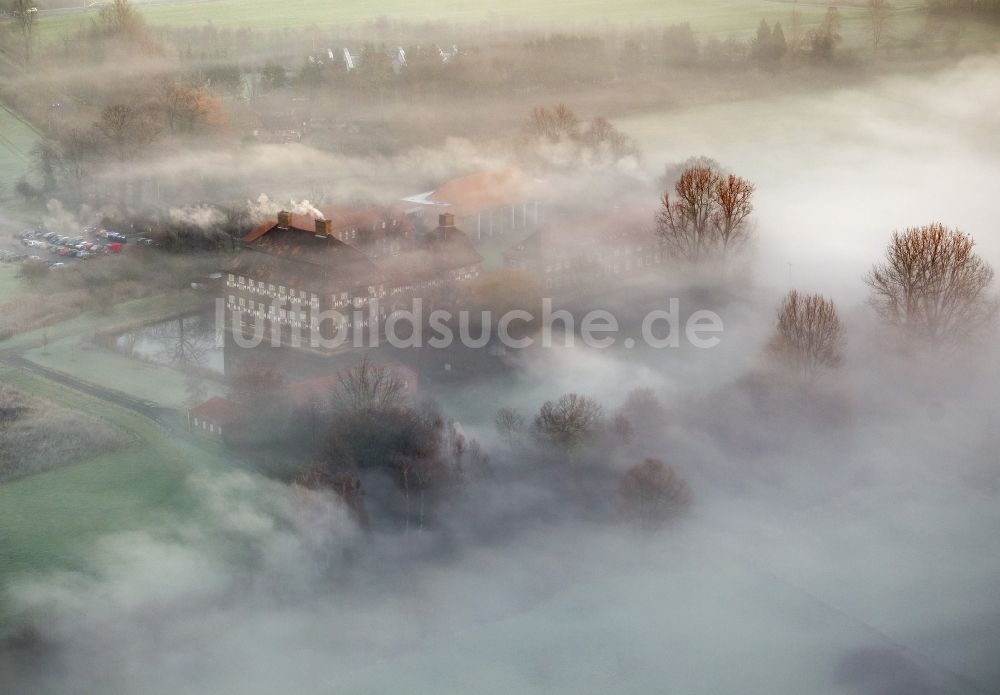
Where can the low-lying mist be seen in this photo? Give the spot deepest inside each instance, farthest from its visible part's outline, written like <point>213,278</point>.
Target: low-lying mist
<point>841,541</point>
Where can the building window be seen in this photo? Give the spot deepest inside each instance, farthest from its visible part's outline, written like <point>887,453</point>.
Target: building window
<point>231,278</point>
<point>281,290</point>
<point>242,280</point>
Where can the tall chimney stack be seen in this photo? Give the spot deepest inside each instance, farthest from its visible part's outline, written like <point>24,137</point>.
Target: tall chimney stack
<point>284,219</point>
<point>324,228</point>
<point>446,219</point>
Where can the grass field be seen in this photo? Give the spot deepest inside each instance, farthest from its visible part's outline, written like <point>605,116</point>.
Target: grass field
<point>141,380</point>
<point>123,316</point>
<point>9,282</point>
<point>17,138</point>
<point>51,520</point>
<point>556,15</point>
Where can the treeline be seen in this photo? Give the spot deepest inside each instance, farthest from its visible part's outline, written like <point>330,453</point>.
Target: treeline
<point>986,8</point>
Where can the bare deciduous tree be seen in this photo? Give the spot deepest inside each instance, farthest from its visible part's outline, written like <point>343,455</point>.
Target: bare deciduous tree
<point>369,387</point>
<point>509,424</point>
<point>652,493</point>
<point>683,223</point>
<point>708,214</point>
<point>127,128</point>
<point>809,335</point>
<point>568,420</point>
<point>933,286</point>
<point>734,203</point>
<point>879,12</point>
<point>643,410</point>
<point>119,19</point>
<point>555,125</point>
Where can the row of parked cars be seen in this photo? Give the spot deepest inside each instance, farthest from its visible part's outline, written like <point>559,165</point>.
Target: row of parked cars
<point>95,241</point>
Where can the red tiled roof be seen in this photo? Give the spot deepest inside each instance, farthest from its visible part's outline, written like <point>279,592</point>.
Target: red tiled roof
<point>217,410</point>
<point>342,219</point>
<point>293,258</point>
<point>484,190</point>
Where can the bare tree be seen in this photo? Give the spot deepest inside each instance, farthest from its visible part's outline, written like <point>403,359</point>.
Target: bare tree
<point>127,129</point>
<point>809,335</point>
<point>509,424</point>
<point>684,222</point>
<point>652,493</point>
<point>734,203</point>
<point>707,216</point>
<point>622,428</point>
<point>120,19</point>
<point>643,410</point>
<point>568,420</point>
<point>369,387</point>
<point>879,12</point>
<point>933,286</point>
<point>555,125</point>
<point>25,13</point>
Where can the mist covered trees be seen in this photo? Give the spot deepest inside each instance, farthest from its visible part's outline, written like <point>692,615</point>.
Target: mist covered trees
<point>557,138</point>
<point>707,216</point>
<point>808,336</point>
<point>509,424</point>
<point>879,13</point>
<point>369,387</point>
<point>569,420</point>
<point>933,287</point>
<point>652,493</point>
<point>769,45</point>
<point>373,434</point>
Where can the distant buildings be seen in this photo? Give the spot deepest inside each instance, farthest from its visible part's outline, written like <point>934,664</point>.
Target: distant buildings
<point>295,267</point>
<point>485,204</point>
<point>577,253</point>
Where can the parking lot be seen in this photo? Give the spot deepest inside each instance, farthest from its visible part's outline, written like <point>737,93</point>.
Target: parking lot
<point>58,250</point>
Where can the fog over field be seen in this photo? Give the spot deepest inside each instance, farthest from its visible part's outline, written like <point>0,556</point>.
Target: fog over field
<point>835,534</point>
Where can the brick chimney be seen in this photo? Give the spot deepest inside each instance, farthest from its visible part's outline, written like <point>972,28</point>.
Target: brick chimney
<point>284,219</point>
<point>324,227</point>
<point>446,219</point>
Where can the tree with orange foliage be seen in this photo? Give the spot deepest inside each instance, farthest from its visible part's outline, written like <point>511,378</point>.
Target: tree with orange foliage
<point>808,337</point>
<point>933,286</point>
<point>187,108</point>
<point>652,493</point>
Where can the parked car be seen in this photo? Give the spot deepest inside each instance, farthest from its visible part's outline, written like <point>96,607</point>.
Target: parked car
<point>57,266</point>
